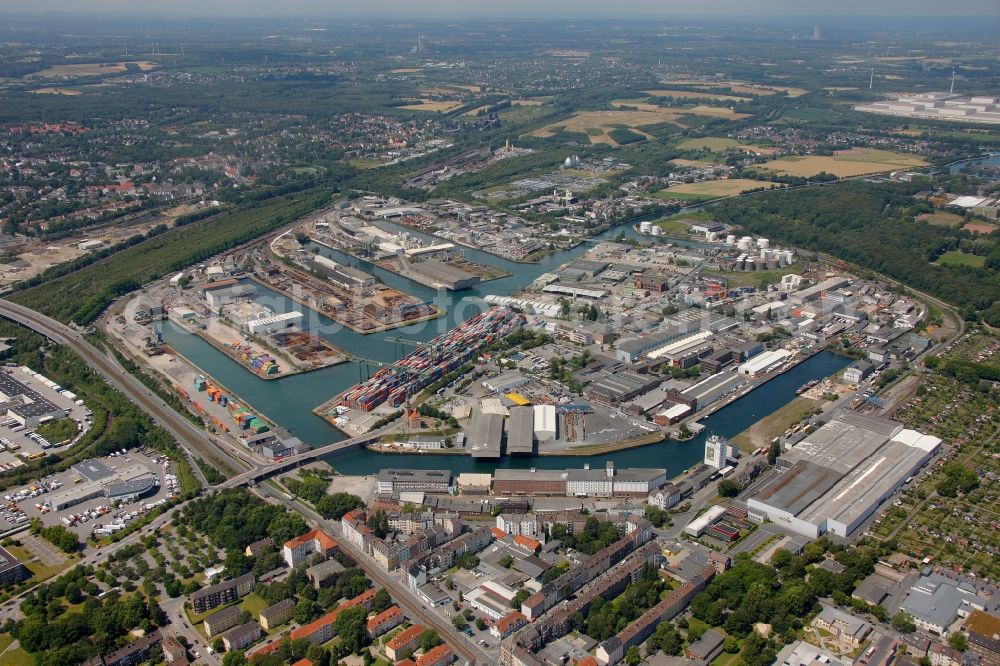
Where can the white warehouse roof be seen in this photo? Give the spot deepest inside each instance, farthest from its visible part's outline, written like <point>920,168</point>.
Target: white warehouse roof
<point>698,525</point>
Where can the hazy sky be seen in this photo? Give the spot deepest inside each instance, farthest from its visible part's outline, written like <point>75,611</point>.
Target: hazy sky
<point>623,9</point>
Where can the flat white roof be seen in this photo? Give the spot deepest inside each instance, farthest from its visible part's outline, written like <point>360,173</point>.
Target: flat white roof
<point>675,410</point>
<point>278,318</point>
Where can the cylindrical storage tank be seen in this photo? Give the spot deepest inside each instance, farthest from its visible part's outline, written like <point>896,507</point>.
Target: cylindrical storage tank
<point>772,264</point>
<point>731,239</point>
<point>762,243</point>
<point>657,231</point>
<point>645,227</point>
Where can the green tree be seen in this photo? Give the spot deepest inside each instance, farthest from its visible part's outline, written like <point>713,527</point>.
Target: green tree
<point>903,622</point>
<point>429,639</point>
<point>958,641</point>
<point>632,657</point>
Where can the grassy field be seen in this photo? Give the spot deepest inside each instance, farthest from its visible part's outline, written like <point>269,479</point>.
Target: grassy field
<point>254,603</point>
<point>69,92</point>
<point>711,189</point>
<point>431,105</point>
<point>597,124</point>
<point>941,219</point>
<point>762,432</point>
<point>691,94</point>
<point>956,258</point>
<point>92,69</point>
<point>714,143</point>
<point>757,278</point>
<point>845,163</point>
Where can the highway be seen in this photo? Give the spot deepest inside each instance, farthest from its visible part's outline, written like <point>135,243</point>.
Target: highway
<point>401,594</point>
<point>194,441</point>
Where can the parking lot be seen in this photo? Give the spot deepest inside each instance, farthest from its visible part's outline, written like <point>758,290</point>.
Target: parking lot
<point>54,499</point>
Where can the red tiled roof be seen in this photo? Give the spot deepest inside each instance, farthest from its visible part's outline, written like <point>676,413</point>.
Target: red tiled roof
<point>527,542</point>
<point>324,539</point>
<point>303,662</point>
<point>498,533</point>
<point>406,662</point>
<point>513,619</point>
<point>436,654</point>
<point>405,637</point>
<point>331,617</point>
<point>386,615</point>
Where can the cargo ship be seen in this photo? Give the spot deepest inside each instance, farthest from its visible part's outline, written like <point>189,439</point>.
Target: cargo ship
<point>805,387</point>
<point>395,384</point>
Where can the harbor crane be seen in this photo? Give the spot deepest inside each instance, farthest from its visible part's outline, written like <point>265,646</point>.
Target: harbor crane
<point>399,343</point>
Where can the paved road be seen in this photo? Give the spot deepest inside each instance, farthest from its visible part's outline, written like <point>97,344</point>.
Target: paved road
<point>194,441</point>
<point>400,593</point>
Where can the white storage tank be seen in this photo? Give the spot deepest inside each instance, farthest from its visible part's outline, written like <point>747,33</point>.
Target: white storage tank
<point>645,227</point>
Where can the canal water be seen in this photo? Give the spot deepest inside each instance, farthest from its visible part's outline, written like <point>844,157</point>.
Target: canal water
<point>290,401</point>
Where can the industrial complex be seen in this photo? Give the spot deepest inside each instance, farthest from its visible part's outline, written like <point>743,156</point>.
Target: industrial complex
<point>836,477</point>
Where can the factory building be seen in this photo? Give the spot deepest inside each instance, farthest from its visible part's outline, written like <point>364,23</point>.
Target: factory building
<point>487,433</point>
<point>858,372</point>
<point>274,323</point>
<point>443,276</point>
<point>763,363</point>
<point>529,482</point>
<point>620,387</point>
<point>225,292</point>
<point>611,482</point>
<point>342,276</point>
<point>24,404</point>
<point>713,388</point>
<point>815,292</point>
<point>392,482</point>
<point>839,475</point>
<point>521,431</point>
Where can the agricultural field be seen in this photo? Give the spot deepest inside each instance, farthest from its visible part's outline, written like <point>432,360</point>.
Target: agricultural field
<point>712,189</point>
<point>598,124</point>
<point>940,218</point>
<point>742,87</point>
<point>431,105</point>
<point>691,94</point>
<point>713,143</point>
<point>845,163</point>
<point>91,69</point>
<point>696,164</point>
<point>69,92</point>
<point>957,258</point>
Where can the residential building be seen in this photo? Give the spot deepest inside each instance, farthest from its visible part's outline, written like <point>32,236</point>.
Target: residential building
<point>225,619</point>
<point>983,633</point>
<point>508,624</point>
<point>846,627</point>
<point>135,652</point>
<point>384,621</point>
<point>944,655</point>
<point>277,615</point>
<point>441,655</point>
<point>11,569</point>
<point>297,550</point>
<point>706,648</point>
<point>240,637</point>
<point>408,639</point>
<point>222,593</point>
<point>320,574</point>
<point>258,547</point>
<point>173,651</point>
<point>666,498</point>
<point>518,523</point>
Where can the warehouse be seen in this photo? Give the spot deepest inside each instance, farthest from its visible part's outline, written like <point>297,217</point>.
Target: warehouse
<point>443,276</point>
<point>764,363</point>
<point>575,292</point>
<point>485,440</point>
<point>839,475</point>
<point>343,276</point>
<point>521,432</point>
<point>274,323</point>
<point>698,526</point>
<point>395,481</point>
<point>25,405</point>
<point>545,423</point>
<point>614,389</point>
<point>709,390</point>
<point>810,294</point>
<point>224,292</point>
<point>529,482</point>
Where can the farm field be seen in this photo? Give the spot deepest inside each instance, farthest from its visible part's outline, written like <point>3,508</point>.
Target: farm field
<point>697,164</point>
<point>711,189</point>
<point>69,92</point>
<point>691,94</point>
<point>597,124</point>
<point>538,101</point>
<point>957,258</point>
<point>91,69</point>
<point>430,105</point>
<point>744,87</point>
<point>941,219</point>
<point>845,163</point>
<point>719,144</point>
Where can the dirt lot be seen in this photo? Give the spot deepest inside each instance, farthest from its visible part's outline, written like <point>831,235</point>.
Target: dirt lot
<point>92,69</point>
<point>941,219</point>
<point>845,163</point>
<point>980,227</point>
